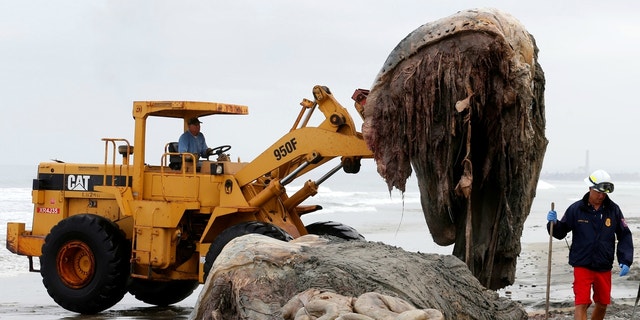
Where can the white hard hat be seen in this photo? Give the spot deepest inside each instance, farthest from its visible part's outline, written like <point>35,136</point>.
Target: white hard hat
<point>600,180</point>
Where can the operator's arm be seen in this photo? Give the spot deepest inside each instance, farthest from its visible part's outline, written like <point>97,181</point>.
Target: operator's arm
<point>204,150</point>
<point>183,143</point>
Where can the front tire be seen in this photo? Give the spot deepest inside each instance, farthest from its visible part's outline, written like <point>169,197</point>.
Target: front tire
<point>85,263</point>
<point>239,230</point>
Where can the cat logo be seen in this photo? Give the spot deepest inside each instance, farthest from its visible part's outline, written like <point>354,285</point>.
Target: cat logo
<point>78,182</point>
<point>607,222</point>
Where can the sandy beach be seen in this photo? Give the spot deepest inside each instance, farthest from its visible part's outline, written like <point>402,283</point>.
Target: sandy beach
<point>396,220</point>
<point>531,279</point>
<point>25,296</point>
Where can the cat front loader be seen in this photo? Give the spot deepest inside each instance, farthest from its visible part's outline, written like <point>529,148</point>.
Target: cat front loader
<point>154,230</point>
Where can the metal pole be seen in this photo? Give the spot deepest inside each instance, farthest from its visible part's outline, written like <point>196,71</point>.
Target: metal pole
<point>546,313</point>
<point>636,304</point>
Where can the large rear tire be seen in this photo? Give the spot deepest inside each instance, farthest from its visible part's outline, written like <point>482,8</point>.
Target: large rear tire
<point>162,293</point>
<point>85,263</point>
<point>238,230</point>
<point>333,228</point>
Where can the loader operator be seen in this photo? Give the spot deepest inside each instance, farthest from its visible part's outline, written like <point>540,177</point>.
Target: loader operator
<point>192,140</point>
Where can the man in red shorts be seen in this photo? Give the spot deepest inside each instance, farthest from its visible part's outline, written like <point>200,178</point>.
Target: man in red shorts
<point>595,221</point>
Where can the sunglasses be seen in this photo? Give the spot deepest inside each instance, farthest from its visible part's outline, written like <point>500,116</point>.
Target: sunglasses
<point>606,187</point>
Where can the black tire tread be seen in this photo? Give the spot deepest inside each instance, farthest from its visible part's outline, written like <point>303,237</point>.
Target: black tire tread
<point>162,293</point>
<point>112,252</point>
<point>333,228</point>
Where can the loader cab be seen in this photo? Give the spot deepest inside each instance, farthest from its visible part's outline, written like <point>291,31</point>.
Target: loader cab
<point>185,110</point>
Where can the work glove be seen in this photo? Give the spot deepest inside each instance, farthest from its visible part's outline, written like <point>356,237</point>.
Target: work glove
<point>552,216</point>
<point>624,269</point>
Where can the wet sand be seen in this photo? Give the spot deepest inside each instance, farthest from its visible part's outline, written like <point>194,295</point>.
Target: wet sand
<point>24,295</point>
<point>530,287</point>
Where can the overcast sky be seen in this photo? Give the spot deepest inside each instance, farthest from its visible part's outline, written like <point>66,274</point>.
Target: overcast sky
<point>70,70</point>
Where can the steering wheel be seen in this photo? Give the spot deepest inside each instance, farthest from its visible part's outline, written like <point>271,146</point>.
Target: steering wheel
<point>220,149</point>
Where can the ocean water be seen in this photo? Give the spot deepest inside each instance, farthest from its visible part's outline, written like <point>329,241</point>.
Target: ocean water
<point>361,201</point>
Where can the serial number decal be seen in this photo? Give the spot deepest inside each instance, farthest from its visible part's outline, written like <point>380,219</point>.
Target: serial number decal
<point>90,195</point>
<point>48,210</point>
<point>285,149</point>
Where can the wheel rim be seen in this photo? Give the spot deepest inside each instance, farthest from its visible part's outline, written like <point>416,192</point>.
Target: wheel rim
<point>76,264</point>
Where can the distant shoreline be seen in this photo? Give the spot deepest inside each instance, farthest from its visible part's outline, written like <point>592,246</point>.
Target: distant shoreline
<point>544,175</point>
<point>576,176</point>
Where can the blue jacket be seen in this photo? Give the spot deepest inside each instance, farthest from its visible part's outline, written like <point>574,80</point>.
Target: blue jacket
<point>594,235</point>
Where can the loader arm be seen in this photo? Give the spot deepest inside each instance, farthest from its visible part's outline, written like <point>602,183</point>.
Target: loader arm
<point>313,145</point>
<point>310,146</point>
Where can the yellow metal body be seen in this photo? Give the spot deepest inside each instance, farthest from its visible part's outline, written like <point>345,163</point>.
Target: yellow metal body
<point>172,216</point>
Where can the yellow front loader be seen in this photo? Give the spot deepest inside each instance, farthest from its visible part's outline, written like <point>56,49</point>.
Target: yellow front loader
<point>154,230</point>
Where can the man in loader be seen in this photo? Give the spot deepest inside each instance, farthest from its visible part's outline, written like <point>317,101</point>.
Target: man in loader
<point>192,140</point>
